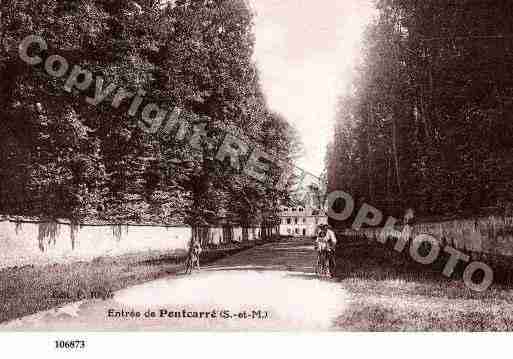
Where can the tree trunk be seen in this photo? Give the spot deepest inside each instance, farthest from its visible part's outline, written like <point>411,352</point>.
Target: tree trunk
<point>369,159</point>
<point>396,155</point>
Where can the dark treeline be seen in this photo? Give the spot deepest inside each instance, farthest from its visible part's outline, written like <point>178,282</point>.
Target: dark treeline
<point>427,121</point>
<point>61,157</point>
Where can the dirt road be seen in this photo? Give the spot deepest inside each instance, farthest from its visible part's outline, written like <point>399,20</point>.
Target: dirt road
<point>269,287</point>
<point>272,287</point>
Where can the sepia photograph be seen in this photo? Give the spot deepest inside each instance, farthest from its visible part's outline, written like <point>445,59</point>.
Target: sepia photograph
<point>227,166</point>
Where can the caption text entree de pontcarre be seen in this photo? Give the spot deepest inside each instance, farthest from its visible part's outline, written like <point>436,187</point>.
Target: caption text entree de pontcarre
<point>184,314</point>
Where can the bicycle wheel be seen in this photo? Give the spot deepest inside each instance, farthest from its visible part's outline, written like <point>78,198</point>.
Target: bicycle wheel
<point>317,265</point>
<point>327,272</point>
<point>325,265</point>
<point>188,266</point>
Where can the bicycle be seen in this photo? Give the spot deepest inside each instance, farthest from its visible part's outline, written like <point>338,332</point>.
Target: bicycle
<point>322,268</point>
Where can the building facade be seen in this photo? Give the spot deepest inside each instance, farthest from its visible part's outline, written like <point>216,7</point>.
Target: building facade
<point>301,221</point>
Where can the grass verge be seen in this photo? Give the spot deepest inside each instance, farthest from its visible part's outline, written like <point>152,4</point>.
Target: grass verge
<point>30,289</point>
<point>390,292</point>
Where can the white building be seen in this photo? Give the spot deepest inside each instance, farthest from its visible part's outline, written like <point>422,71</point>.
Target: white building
<point>300,221</point>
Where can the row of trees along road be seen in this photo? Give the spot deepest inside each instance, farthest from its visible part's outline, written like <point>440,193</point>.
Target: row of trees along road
<point>427,122</point>
<point>61,157</point>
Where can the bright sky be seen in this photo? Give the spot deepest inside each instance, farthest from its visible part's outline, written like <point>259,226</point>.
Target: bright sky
<point>305,50</point>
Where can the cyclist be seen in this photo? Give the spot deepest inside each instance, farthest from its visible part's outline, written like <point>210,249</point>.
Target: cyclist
<point>325,244</point>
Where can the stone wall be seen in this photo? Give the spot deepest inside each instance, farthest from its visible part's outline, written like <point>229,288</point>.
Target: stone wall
<point>24,243</point>
<point>492,235</point>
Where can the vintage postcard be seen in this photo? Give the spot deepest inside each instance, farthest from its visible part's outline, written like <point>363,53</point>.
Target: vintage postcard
<point>255,165</point>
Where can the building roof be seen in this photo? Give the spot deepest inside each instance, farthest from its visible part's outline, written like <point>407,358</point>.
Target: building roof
<point>300,211</point>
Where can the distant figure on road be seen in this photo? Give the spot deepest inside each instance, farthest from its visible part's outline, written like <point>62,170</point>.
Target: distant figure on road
<point>325,245</point>
<point>409,216</point>
<point>193,256</point>
<point>332,245</point>
<point>408,221</point>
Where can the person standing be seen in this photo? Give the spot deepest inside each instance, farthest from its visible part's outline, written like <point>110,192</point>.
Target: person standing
<point>331,241</point>
<point>196,250</point>
<point>193,256</point>
<point>321,246</point>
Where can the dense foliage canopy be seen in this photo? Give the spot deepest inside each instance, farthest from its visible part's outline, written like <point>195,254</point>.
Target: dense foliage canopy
<point>427,121</point>
<point>62,157</point>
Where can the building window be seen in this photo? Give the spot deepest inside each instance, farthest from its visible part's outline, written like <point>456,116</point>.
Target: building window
<point>304,220</point>
<point>297,231</point>
<point>288,220</point>
<point>295,220</point>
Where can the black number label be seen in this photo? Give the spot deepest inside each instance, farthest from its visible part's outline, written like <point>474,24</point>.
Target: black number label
<point>70,344</point>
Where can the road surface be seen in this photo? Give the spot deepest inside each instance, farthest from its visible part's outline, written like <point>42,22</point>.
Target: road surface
<point>270,287</point>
